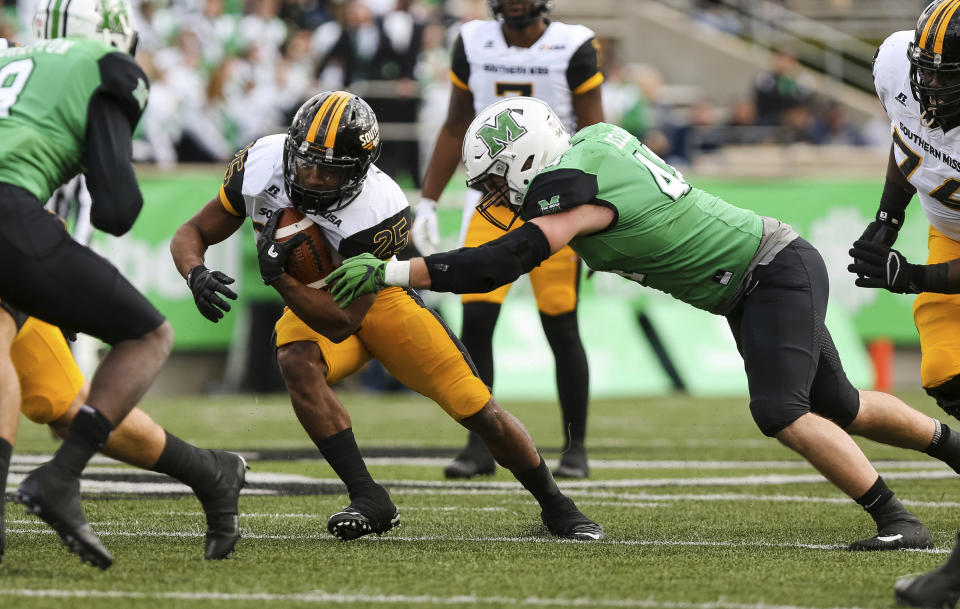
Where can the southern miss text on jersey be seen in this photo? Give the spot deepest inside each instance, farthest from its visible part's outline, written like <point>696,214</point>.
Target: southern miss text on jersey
<point>928,157</point>
<point>47,89</point>
<point>376,222</point>
<point>563,62</point>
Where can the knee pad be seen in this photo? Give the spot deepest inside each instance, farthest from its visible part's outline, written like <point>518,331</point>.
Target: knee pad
<point>947,395</point>
<point>772,419</point>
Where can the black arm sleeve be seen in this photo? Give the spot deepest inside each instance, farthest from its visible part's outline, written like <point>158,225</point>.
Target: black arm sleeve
<point>107,158</point>
<point>471,270</point>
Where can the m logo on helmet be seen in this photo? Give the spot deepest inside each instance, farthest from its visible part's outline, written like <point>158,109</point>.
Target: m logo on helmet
<point>504,131</point>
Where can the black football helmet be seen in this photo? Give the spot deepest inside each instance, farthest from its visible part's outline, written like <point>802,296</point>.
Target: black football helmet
<point>532,10</point>
<point>333,140</point>
<point>934,58</point>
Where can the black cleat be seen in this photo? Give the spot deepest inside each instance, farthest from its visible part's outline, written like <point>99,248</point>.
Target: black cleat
<point>897,535</point>
<point>55,498</point>
<point>567,521</point>
<point>573,464</point>
<point>363,516</point>
<point>938,589</point>
<point>220,503</point>
<point>472,461</point>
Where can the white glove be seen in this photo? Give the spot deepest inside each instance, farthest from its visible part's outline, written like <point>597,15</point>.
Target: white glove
<point>424,232</point>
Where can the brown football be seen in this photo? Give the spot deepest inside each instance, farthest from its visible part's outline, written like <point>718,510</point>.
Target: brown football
<point>313,259</point>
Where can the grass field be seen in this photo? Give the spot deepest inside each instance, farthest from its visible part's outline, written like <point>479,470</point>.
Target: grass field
<point>700,510</point>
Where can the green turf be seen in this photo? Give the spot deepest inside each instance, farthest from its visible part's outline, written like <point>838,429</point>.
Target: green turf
<point>723,545</point>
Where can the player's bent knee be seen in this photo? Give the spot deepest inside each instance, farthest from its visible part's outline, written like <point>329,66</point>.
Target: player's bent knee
<point>162,337</point>
<point>300,361</point>
<point>947,395</point>
<point>772,419</point>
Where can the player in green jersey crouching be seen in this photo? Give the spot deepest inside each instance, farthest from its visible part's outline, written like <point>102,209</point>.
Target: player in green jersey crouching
<point>625,211</point>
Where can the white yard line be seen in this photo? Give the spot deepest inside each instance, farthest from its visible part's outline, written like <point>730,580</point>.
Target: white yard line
<point>324,537</point>
<point>321,597</point>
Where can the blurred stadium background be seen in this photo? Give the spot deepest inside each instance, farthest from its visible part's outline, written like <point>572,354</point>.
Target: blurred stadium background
<point>766,103</point>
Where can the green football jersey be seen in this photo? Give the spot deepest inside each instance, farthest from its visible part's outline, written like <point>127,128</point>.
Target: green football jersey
<point>665,234</point>
<point>45,92</point>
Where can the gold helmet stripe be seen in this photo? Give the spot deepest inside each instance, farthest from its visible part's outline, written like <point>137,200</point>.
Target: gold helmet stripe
<point>944,22</point>
<point>321,113</point>
<point>932,21</point>
<point>334,123</point>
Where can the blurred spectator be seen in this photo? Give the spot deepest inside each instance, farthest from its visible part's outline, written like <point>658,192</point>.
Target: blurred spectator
<point>779,89</point>
<point>835,128</point>
<point>700,134</point>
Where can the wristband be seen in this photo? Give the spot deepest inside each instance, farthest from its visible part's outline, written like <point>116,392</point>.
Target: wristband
<point>397,273</point>
<point>199,268</point>
<point>432,203</point>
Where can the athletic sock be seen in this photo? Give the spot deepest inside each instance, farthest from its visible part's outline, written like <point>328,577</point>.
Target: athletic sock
<point>541,485</point>
<point>87,434</point>
<point>882,505</point>
<point>945,446</point>
<point>342,453</point>
<point>191,465</point>
<point>6,449</point>
<point>573,374</point>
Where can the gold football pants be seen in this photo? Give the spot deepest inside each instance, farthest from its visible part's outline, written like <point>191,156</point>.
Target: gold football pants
<point>412,343</point>
<point>48,374</point>
<point>555,281</point>
<point>937,317</point>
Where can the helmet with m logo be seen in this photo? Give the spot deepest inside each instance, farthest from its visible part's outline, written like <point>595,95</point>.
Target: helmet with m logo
<point>506,146</point>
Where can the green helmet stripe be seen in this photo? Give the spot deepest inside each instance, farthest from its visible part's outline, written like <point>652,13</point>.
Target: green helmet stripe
<point>53,30</point>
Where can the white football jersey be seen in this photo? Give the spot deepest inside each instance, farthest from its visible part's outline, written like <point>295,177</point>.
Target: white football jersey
<point>376,221</point>
<point>563,62</point>
<point>929,158</point>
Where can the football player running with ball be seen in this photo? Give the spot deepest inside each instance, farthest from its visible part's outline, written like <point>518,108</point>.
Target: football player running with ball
<point>917,77</point>
<point>69,104</point>
<point>323,166</point>
<point>521,52</point>
<point>625,211</point>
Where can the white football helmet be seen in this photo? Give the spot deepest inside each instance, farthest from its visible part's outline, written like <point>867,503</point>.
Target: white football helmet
<point>513,138</point>
<point>108,20</point>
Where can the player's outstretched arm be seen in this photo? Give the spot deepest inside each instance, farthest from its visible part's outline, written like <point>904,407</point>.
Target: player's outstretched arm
<point>212,224</point>
<point>470,270</point>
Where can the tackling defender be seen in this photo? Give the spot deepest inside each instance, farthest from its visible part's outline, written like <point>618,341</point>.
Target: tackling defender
<point>521,52</point>
<point>323,166</point>
<point>625,211</point>
<point>70,103</point>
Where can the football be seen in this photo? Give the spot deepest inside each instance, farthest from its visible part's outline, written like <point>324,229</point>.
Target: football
<point>313,259</point>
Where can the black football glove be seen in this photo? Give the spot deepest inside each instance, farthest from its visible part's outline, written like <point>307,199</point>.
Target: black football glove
<point>207,286</point>
<point>879,266</point>
<point>273,254</point>
<point>879,231</point>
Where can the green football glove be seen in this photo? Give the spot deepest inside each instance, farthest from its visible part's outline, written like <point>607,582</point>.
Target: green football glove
<point>356,277</point>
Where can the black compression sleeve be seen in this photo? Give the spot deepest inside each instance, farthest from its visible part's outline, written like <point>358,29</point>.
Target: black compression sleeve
<point>471,270</point>
<point>893,204</point>
<point>110,177</point>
